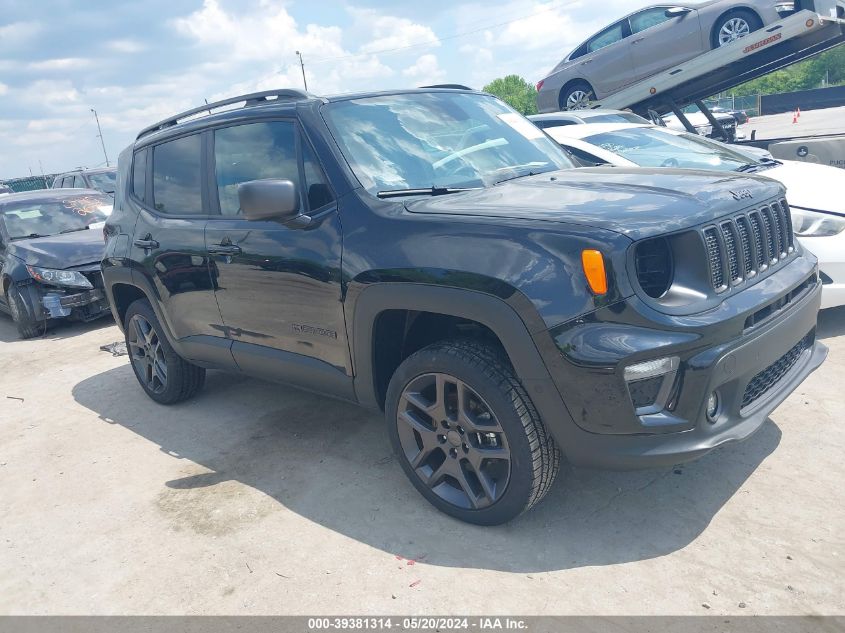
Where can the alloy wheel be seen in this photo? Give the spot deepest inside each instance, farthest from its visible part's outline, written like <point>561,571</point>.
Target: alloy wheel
<point>453,441</point>
<point>732,30</point>
<point>147,354</point>
<point>578,100</point>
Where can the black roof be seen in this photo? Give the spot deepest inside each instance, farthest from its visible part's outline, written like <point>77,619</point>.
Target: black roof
<point>273,98</point>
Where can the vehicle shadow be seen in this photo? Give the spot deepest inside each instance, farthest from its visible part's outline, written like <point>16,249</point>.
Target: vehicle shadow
<point>55,332</point>
<point>331,463</point>
<point>831,322</point>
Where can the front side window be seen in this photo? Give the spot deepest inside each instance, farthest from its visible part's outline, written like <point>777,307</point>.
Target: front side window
<point>42,219</point>
<point>255,151</point>
<point>648,18</point>
<point>607,37</point>
<point>425,140</point>
<point>177,179</point>
<point>79,183</point>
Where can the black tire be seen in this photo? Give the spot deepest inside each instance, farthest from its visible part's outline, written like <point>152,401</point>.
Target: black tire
<point>749,17</point>
<point>573,90</point>
<point>151,350</point>
<point>490,384</point>
<point>27,328</point>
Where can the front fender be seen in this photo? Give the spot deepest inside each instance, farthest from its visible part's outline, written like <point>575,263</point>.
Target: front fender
<point>491,311</point>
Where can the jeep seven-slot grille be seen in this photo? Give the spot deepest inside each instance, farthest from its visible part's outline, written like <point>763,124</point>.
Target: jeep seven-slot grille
<point>749,243</point>
<point>769,377</point>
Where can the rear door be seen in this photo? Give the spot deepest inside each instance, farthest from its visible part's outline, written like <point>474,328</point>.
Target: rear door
<point>606,63</point>
<point>659,42</point>
<point>169,242</point>
<point>279,287</point>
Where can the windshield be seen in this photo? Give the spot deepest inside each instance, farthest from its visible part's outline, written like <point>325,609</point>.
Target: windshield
<point>443,140</point>
<point>648,147</point>
<point>103,181</point>
<point>41,219</point>
<point>617,117</point>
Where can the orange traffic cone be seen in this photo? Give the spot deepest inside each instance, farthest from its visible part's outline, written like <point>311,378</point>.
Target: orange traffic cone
<point>799,112</point>
<point>794,117</point>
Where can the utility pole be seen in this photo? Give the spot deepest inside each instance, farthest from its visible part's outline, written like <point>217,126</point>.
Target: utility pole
<point>102,142</point>
<point>302,65</point>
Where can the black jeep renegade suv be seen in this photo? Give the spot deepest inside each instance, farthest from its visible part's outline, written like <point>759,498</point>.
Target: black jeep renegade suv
<point>429,252</point>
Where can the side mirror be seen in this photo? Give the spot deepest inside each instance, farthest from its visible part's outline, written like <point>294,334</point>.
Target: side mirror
<point>269,200</point>
<point>677,12</point>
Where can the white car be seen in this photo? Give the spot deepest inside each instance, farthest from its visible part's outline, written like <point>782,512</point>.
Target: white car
<point>818,210</point>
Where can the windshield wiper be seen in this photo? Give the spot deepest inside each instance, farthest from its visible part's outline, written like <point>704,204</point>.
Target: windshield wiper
<point>31,236</point>
<point>84,228</point>
<point>433,191</point>
<point>748,167</point>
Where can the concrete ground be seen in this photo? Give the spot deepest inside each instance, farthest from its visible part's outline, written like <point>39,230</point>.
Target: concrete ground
<point>257,499</point>
<point>811,123</point>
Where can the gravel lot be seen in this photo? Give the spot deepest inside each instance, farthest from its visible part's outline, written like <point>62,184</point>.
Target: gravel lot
<point>257,499</point>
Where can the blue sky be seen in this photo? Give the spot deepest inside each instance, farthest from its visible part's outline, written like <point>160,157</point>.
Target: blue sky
<point>137,62</point>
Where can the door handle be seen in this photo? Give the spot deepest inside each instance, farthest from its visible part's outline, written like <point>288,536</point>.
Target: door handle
<point>224,249</point>
<point>148,243</point>
<point>589,61</point>
<point>642,39</point>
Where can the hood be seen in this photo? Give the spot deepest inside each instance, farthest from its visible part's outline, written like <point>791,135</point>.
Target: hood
<point>61,251</point>
<point>809,186</point>
<point>638,203</point>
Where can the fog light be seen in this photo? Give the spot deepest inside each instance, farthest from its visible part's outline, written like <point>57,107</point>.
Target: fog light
<point>712,406</point>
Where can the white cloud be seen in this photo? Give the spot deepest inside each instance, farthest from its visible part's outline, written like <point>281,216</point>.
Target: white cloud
<point>59,64</point>
<point>389,32</point>
<point>16,33</point>
<point>3,88</point>
<point>126,46</point>
<point>426,70</point>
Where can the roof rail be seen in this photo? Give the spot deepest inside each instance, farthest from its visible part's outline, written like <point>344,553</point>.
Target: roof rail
<point>255,98</point>
<point>449,86</point>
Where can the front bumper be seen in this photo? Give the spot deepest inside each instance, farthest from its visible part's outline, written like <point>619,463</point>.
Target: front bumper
<point>752,372</point>
<point>56,303</point>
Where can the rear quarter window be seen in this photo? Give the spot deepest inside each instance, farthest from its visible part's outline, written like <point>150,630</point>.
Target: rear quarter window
<point>177,176</point>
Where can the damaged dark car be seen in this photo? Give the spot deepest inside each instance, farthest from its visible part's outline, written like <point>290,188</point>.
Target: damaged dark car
<point>51,244</point>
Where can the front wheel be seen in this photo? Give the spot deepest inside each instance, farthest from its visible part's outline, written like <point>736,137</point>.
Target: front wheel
<point>165,376</point>
<point>467,435</point>
<point>735,25</point>
<point>577,96</point>
<point>27,328</point>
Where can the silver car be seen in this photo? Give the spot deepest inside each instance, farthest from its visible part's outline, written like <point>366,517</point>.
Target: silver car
<point>650,41</point>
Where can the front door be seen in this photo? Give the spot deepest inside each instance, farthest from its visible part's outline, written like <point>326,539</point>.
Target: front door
<point>278,286</point>
<point>607,63</point>
<point>659,42</point>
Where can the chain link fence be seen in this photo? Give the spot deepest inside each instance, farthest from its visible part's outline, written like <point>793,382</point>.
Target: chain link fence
<point>748,104</point>
<point>30,183</point>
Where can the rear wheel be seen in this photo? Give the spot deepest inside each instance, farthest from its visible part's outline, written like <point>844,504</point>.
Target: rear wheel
<point>165,376</point>
<point>467,434</point>
<point>27,328</point>
<point>576,96</point>
<point>735,25</point>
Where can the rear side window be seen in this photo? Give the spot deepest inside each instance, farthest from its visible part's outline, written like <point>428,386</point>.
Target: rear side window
<point>177,179</point>
<point>139,175</point>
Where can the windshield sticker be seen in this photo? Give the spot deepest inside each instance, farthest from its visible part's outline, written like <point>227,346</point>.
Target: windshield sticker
<point>522,125</point>
<point>85,205</point>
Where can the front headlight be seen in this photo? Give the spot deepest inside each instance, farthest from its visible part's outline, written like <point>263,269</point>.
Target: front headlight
<point>69,278</point>
<point>814,224</point>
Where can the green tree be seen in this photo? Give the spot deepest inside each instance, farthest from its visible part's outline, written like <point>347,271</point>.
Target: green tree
<point>516,92</point>
<point>829,66</point>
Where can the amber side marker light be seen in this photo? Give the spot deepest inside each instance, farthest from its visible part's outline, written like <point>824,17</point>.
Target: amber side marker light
<point>810,23</point>
<point>593,263</point>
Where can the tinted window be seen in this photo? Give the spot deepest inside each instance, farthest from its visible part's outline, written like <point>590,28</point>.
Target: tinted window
<point>585,158</point>
<point>547,123</point>
<point>139,174</point>
<point>177,176</point>
<point>316,187</point>
<point>79,182</point>
<point>648,18</point>
<point>606,38</point>
<point>253,152</point>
